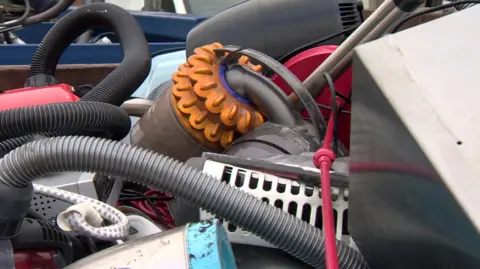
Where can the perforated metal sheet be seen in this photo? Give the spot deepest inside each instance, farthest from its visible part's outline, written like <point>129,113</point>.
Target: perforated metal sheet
<point>298,199</point>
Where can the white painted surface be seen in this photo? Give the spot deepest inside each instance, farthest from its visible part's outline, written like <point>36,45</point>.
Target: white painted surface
<point>128,4</point>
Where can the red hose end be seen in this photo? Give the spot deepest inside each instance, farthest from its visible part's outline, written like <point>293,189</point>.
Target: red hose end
<point>323,155</point>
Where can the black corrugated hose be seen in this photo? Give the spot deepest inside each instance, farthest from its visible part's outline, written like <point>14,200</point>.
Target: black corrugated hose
<point>105,157</point>
<point>122,81</point>
<point>63,119</point>
<point>11,144</point>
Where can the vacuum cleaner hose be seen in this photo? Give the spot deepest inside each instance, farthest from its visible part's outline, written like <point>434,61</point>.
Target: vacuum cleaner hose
<point>122,81</point>
<point>63,119</point>
<point>88,154</point>
<point>266,95</point>
<point>160,90</point>
<point>11,144</point>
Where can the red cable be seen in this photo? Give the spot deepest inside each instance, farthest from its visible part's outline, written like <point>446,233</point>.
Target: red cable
<point>323,159</point>
<point>160,205</point>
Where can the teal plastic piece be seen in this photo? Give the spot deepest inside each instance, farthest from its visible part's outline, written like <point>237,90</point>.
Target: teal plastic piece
<point>208,246</point>
<point>163,67</point>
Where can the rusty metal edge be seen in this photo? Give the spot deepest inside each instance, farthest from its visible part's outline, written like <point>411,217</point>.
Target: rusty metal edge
<point>14,76</point>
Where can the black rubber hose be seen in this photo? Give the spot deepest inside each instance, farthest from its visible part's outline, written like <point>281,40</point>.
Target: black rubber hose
<point>122,81</point>
<point>105,157</point>
<point>48,14</point>
<point>11,144</point>
<point>269,99</point>
<point>290,79</point>
<point>64,119</point>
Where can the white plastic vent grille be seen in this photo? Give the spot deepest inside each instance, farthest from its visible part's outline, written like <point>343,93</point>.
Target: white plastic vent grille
<point>298,199</point>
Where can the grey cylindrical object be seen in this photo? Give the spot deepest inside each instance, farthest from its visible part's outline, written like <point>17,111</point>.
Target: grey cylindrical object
<point>160,90</point>
<point>137,107</point>
<point>274,27</point>
<point>160,130</point>
<point>343,54</point>
<point>266,95</point>
<point>106,157</point>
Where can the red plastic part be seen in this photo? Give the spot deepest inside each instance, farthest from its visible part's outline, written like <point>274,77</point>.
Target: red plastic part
<point>37,96</point>
<point>35,259</point>
<point>302,65</point>
<point>323,160</point>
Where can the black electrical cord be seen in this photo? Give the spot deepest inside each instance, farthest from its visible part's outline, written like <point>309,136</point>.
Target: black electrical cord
<point>147,197</point>
<point>19,21</point>
<point>335,110</point>
<point>50,13</point>
<point>399,24</point>
<point>152,205</point>
<point>347,101</point>
<point>312,44</point>
<point>462,7</point>
<point>135,196</point>
<point>6,35</point>
<point>290,79</point>
<point>343,97</point>
<point>330,108</point>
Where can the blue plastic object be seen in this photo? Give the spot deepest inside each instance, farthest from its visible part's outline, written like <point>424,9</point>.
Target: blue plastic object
<point>228,88</point>
<point>163,67</point>
<point>208,246</point>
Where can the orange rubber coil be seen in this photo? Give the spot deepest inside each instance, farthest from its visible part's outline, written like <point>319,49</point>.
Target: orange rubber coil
<point>205,108</point>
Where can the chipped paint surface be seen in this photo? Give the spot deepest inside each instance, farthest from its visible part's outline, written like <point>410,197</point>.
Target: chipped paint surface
<point>167,250</point>
<point>208,246</point>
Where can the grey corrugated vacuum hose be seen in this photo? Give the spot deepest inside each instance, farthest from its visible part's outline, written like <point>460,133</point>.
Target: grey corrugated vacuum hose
<point>106,157</point>
<point>160,90</point>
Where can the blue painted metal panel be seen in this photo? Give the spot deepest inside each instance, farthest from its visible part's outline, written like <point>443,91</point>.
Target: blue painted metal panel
<point>163,26</point>
<point>163,30</point>
<point>76,53</point>
<point>157,26</point>
<point>34,34</point>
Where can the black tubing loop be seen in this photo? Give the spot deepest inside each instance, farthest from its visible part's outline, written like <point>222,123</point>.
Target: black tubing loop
<point>13,143</point>
<point>270,100</point>
<point>290,79</point>
<point>122,81</point>
<point>105,157</point>
<point>50,13</point>
<point>63,119</point>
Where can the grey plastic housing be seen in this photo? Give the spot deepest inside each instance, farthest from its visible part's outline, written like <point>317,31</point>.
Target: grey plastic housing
<point>276,27</point>
<point>414,185</point>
